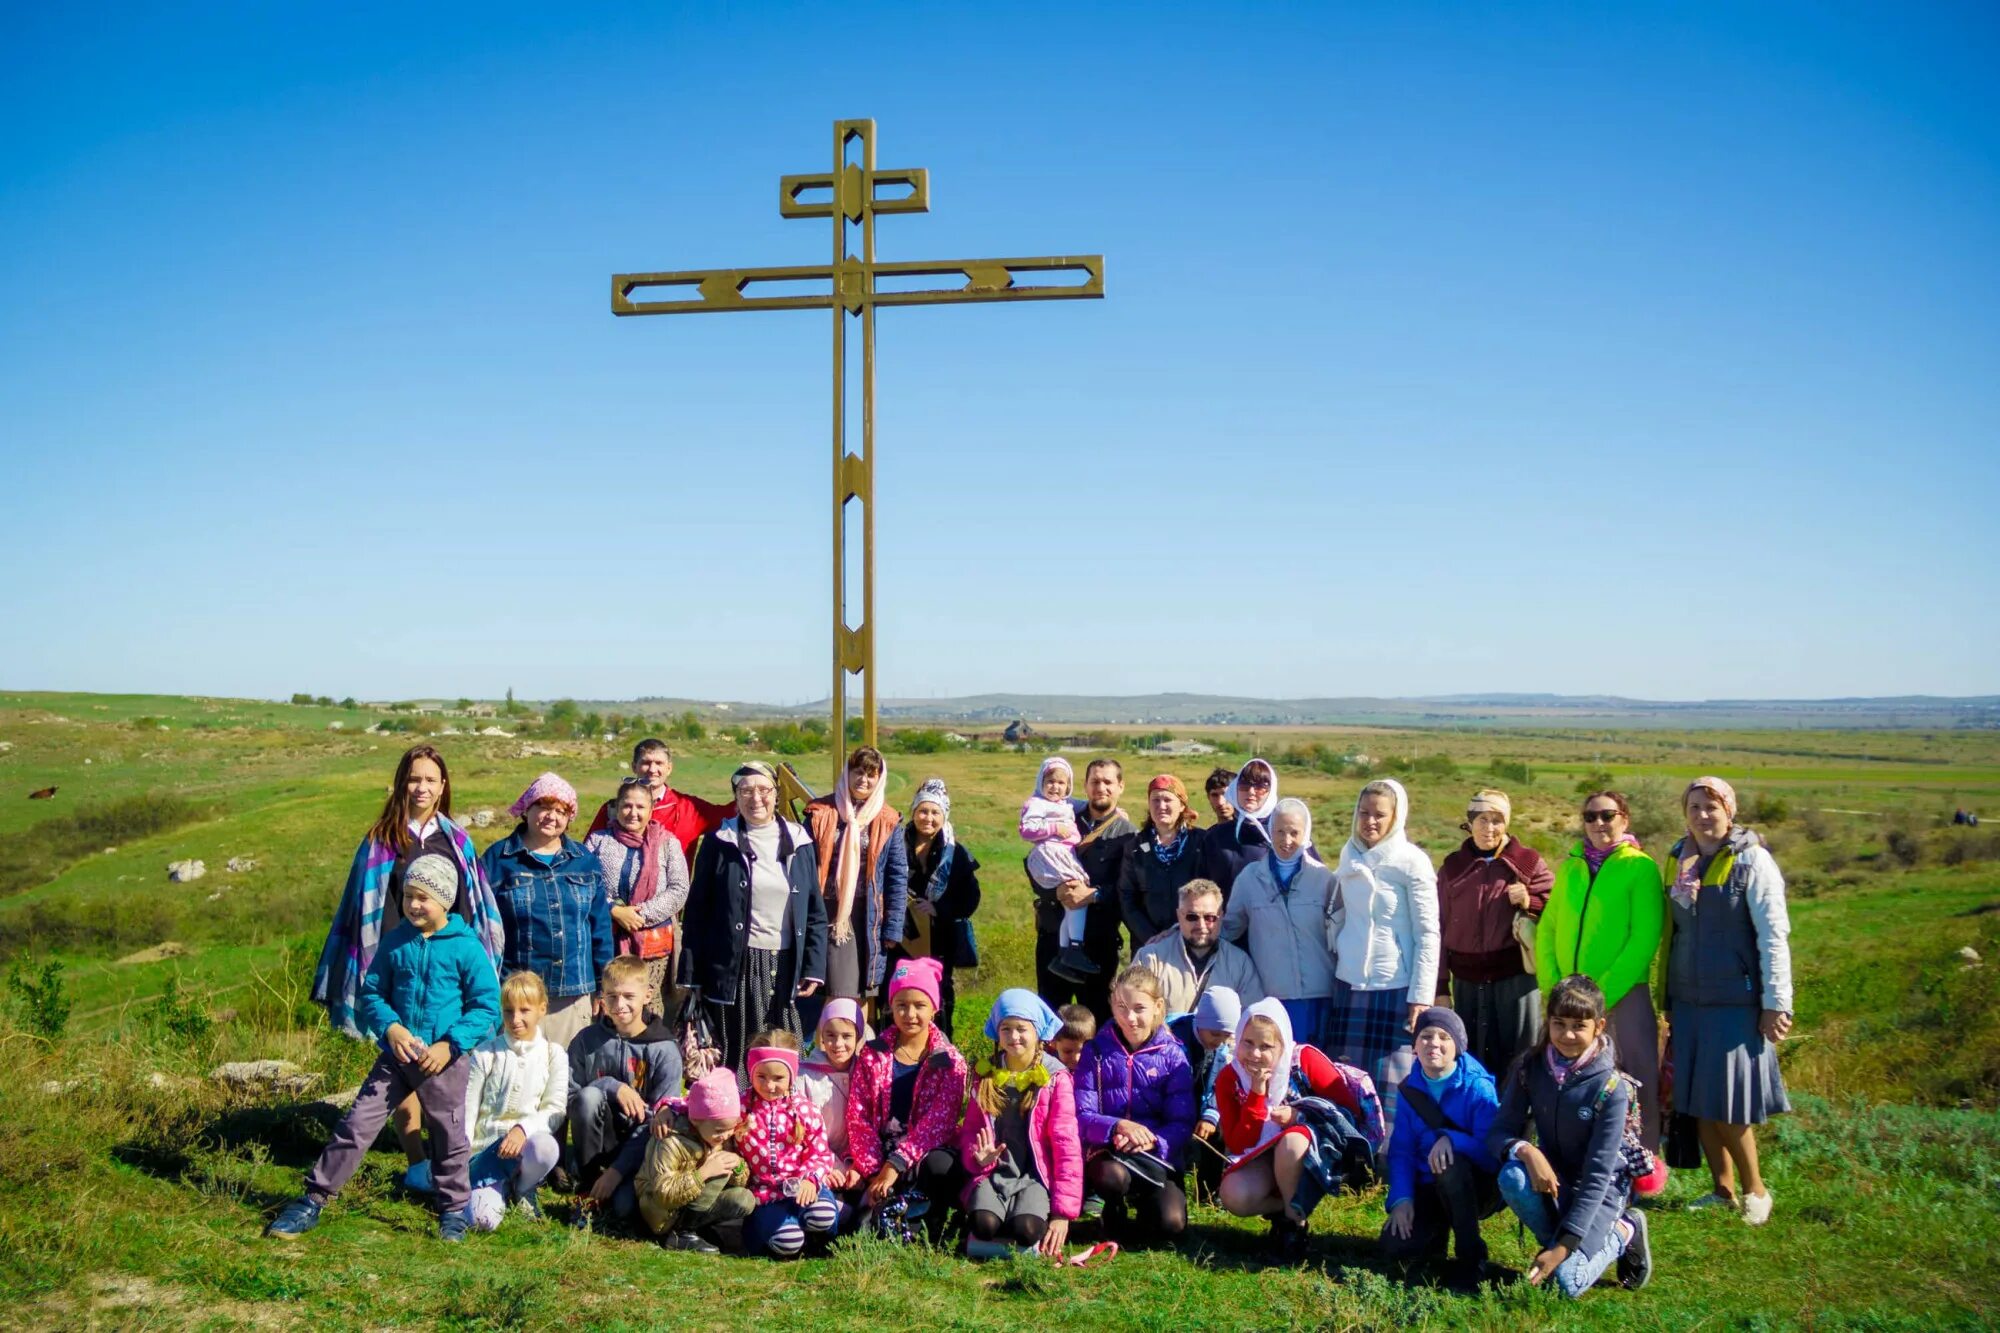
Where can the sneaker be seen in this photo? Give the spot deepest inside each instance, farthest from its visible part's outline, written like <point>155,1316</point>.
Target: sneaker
<point>584,1218</point>
<point>453,1226</point>
<point>1713,1199</point>
<point>1092,1210</point>
<point>1288,1239</point>
<point>1654,1183</point>
<point>529,1207</point>
<point>1757,1208</point>
<point>987,1249</point>
<point>418,1177</point>
<point>688,1241</point>
<point>1635,1265</point>
<point>298,1217</point>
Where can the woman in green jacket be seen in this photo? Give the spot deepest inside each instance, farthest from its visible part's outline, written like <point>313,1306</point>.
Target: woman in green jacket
<point>1604,920</point>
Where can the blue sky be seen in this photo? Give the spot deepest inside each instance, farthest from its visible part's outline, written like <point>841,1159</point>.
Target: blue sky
<point>1629,349</point>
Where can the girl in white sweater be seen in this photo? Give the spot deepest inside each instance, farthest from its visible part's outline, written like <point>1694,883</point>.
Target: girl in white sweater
<point>516,1092</point>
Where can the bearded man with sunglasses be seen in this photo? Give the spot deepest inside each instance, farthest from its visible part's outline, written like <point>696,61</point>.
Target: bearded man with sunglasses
<point>1195,957</point>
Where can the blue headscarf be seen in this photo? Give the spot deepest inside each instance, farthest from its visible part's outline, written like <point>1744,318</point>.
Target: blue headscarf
<point>1024,1004</point>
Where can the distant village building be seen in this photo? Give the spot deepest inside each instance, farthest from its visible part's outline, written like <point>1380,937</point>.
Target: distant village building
<point>1018,731</point>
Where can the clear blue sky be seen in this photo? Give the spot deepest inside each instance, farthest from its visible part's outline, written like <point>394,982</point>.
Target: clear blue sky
<point>1641,349</point>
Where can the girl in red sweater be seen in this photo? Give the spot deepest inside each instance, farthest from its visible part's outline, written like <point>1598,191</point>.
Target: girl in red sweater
<point>1266,1142</point>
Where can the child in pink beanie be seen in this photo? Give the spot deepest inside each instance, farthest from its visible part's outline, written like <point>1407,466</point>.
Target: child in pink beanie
<point>691,1185</point>
<point>904,1101</point>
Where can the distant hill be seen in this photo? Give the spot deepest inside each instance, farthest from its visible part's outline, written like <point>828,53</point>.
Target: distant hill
<point>1918,712</point>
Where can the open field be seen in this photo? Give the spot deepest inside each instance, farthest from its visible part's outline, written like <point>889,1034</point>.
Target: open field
<point>125,1204</point>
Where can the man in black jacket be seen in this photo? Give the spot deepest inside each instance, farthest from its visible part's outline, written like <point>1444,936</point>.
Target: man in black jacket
<point>1107,840</point>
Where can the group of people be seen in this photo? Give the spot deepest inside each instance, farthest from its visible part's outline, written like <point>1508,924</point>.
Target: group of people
<point>686,1028</point>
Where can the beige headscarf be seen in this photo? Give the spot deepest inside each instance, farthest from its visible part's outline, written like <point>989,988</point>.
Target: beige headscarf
<point>847,870</point>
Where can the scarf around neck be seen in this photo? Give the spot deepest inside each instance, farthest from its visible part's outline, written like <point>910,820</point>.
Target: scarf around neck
<point>847,869</point>
<point>648,843</point>
<point>1595,857</point>
<point>1560,1069</point>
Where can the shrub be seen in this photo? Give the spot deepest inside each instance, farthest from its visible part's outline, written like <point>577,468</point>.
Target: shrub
<point>302,698</point>
<point>1814,825</point>
<point>39,998</point>
<point>687,727</point>
<point>1964,846</point>
<point>1765,808</point>
<point>793,737</point>
<point>922,740</point>
<point>1903,847</point>
<point>181,1017</point>
<point>1511,770</point>
<point>348,703</point>
<point>1594,781</point>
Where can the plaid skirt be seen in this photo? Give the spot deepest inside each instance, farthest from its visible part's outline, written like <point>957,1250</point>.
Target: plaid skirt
<point>1369,1030</point>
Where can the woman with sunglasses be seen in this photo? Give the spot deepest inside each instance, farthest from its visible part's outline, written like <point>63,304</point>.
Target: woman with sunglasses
<point>1604,920</point>
<point>1231,846</point>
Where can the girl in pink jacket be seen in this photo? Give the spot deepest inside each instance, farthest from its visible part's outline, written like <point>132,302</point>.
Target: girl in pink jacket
<point>903,1106</point>
<point>1020,1141</point>
<point>783,1142</point>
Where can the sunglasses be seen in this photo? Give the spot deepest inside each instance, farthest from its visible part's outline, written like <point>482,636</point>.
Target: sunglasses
<point>1201,916</point>
<point>1599,816</point>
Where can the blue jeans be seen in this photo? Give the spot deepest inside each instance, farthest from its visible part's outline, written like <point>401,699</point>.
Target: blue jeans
<point>1576,1274</point>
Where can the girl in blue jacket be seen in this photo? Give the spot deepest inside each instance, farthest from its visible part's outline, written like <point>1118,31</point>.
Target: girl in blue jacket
<point>1571,1185</point>
<point>1441,1174</point>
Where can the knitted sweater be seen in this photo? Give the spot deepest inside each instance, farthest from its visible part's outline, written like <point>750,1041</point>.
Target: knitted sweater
<point>511,1083</point>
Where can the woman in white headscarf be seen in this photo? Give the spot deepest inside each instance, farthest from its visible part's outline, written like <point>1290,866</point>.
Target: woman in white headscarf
<point>1230,848</point>
<point>1382,926</point>
<point>1278,915</point>
<point>944,893</point>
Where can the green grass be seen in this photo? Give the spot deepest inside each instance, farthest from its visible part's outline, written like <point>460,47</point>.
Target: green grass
<point>125,1203</point>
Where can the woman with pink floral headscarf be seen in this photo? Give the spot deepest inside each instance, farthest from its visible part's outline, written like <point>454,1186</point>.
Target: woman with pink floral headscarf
<point>552,903</point>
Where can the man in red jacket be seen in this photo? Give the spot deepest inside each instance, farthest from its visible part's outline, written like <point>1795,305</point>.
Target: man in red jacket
<point>686,817</point>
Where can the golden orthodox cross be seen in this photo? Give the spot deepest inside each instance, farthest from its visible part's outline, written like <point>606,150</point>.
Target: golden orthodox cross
<point>852,200</point>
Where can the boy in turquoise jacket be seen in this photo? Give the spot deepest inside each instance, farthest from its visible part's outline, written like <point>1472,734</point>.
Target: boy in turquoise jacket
<point>430,996</point>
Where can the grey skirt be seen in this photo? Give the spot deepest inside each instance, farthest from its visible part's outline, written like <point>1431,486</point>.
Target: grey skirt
<point>1724,1069</point>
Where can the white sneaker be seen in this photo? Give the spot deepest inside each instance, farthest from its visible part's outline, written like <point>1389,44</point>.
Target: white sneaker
<point>1757,1208</point>
<point>1715,1199</point>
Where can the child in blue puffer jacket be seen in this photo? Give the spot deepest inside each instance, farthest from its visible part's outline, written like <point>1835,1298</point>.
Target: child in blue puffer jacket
<point>429,997</point>
<point>1135,1106</point>
<point>1442,1177</point>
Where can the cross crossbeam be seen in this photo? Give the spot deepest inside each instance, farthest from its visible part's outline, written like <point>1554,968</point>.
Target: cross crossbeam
<point>852,287</point>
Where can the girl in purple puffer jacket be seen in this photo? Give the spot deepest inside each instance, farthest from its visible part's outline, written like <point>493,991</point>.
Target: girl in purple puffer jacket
<point>1135,1106</point>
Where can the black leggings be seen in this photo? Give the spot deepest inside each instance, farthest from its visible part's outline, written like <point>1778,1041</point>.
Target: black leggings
<point>1157,1210</point>
<point>1020,1229</point>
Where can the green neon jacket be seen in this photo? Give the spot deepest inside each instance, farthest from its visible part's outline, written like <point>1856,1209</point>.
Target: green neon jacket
<point>1607,929</point>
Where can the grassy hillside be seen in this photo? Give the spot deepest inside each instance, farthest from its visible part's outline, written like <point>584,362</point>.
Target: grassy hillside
<point>134,1197</point>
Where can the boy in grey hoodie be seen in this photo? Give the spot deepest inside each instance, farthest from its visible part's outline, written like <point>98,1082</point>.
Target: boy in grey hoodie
<point>621,1069</point>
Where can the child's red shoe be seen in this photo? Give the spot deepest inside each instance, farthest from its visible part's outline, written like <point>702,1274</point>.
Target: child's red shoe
<point>1654,1183</point>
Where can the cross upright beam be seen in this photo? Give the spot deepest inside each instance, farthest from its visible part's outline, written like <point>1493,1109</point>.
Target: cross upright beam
<point>852,200</point>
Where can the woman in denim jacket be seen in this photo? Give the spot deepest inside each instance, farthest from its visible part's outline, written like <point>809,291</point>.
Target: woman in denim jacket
<point>552,904</point>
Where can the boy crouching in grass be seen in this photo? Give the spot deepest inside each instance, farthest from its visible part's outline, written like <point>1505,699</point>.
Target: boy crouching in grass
<point>621,1067</point>
<point>432,996</point>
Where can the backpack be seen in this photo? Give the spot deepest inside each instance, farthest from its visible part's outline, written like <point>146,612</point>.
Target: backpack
<point>1633,1159</point>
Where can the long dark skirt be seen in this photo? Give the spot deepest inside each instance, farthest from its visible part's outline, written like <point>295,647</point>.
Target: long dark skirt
<point>1502,1018</point>
<point>758,1005</point>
